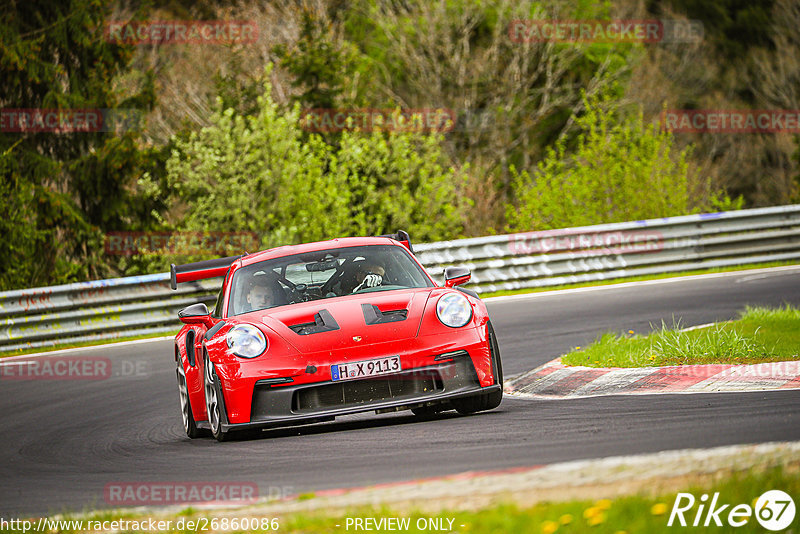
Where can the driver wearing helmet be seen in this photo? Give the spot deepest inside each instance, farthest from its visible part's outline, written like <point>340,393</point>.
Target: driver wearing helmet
<point>368,275</point>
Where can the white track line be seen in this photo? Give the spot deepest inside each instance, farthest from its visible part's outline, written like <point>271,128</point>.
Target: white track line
<point>536,396</point>
<point>673,280</point>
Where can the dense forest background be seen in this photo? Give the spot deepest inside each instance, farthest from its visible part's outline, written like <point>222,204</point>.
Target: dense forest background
<point>546,135</point>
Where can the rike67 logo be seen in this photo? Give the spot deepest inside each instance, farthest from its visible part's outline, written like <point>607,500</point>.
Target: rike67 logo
<point>774,510</point>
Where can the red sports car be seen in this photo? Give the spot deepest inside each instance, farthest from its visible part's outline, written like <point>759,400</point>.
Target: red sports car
<point>301,334</point>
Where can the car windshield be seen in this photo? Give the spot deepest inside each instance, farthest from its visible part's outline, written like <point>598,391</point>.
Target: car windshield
<point>324,274</point>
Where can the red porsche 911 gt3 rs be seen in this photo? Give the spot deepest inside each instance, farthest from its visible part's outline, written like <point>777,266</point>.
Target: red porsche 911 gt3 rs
<point>301,334</point>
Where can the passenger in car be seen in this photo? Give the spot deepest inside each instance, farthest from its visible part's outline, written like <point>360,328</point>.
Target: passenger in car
<point>265,293</point>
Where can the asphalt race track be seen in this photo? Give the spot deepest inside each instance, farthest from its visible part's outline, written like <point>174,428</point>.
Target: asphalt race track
<point>63,441</point>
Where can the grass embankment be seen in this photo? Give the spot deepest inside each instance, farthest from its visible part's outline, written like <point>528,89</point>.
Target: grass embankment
<point>621,515</point>
<point>627,514</point>
<point>759,335</point>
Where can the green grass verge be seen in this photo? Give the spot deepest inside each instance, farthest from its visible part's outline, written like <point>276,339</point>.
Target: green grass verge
<point>625,514</point>
<point>628,514</point>
<point>759,335</point>
<point>614,281</point>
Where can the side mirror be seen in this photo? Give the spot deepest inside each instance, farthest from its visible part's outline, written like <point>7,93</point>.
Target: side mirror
<point>455,276</point>
<point>196,314</point>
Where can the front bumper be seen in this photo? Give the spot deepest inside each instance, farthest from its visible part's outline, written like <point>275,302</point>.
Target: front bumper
<point>308,403</point>
<point>239,378</point>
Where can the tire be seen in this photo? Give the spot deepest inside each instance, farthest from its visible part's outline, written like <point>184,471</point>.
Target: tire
<point>214,402</point>
<point>189,424</point>
<point>485,401</point>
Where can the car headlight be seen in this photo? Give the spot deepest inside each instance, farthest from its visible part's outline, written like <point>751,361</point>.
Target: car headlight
<point>453,310</point>
<point>246,341</point>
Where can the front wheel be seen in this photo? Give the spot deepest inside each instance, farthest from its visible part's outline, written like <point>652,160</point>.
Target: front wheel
<point>485,401</point>
<point>214,406</point>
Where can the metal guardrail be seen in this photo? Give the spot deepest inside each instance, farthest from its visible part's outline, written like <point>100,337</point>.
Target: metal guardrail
<point>143,305</point>
<point>101,309</point>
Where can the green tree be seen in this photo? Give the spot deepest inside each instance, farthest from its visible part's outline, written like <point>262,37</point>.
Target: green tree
<point>619,170</point>
<point>399,181</point>
<point>510,96</point>
<point>255,173</point>
<point>320,63</point>
<point>263,173</point>
<point>69,187</point>
<point>732,27</point>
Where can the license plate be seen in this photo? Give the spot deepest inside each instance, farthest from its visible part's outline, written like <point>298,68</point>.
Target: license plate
<point>351,370</point>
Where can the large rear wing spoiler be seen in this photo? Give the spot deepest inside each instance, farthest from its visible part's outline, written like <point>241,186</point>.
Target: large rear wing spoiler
<point>199,270</point>
<point>401,236</point>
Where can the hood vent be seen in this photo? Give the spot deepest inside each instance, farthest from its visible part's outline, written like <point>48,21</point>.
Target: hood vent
<point>373,315</point>
<point>323,322</point>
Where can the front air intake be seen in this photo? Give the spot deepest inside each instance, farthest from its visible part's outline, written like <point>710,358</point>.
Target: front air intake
<point>323,322</point>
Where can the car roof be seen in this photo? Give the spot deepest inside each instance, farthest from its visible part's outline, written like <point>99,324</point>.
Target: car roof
<point>288,250</point>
